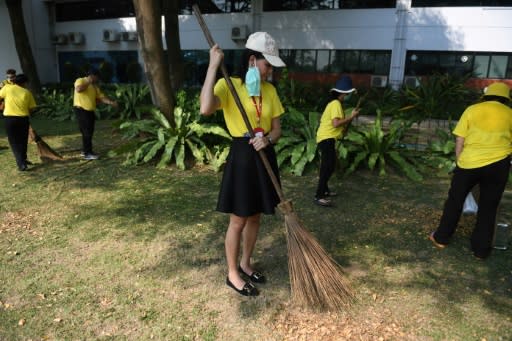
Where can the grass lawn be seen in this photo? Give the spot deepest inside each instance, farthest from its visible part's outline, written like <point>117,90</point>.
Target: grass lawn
<point>93,250</point>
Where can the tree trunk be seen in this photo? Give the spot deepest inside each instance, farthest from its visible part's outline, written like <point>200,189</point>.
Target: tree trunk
<point>172,39</point>
<point>148,15</point>
<point>22,43</point>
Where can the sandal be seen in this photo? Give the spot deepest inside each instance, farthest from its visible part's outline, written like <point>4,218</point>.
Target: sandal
<point>256,277</point>
<point>323,202</point>
<point>247,290</point>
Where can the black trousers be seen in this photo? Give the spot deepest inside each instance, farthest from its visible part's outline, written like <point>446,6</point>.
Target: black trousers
<point>86,121</point>
<point>17,135</point>
<point>492,180</point>
<point>327,165</point>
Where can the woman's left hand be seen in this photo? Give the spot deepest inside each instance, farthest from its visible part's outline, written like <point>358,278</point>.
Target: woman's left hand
<point>259,143</point>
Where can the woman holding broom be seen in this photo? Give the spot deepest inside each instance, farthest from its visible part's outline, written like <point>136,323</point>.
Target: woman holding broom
<point>246,189</point>
<point>332,126</point>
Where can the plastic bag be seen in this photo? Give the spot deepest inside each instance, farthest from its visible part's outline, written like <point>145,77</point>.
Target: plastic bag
<point>470,205</point>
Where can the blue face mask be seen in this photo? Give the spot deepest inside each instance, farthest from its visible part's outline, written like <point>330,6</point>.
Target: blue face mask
<point>347,97</point>
<point>253,81</point>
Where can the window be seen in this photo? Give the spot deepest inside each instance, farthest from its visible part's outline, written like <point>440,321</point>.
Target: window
<point>114,66</point>
<point>304,5</point>
<point>322,60</point>
<point>481,65</point>
<point>466,3</point>
<point>95,9</point>
<point>216,6</point>
<point>498,66</point>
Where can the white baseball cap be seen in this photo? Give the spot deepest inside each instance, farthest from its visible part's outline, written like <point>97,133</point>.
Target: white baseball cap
<point>264,43</point>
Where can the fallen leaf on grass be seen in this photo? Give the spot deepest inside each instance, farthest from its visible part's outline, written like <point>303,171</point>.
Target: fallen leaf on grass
<point>21,322</point>
<point>58,319</point>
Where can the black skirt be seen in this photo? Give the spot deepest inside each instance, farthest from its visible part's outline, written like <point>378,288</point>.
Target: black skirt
<point>246,187</point>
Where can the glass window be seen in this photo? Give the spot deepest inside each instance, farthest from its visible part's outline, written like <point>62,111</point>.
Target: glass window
<point>382,63</point>
<point>216,6</point>
<point>498,66</point>
<point>367,62</point>
<point>305,60</point>
<point>456,3</point>
<point>322,60</point>
<point>114,66</point>
<point>94,9</point>
<point>481,65</point>
<point>351,61</point>
<point>338,61</point>
<point>304,5</point>
<point>509,68</point>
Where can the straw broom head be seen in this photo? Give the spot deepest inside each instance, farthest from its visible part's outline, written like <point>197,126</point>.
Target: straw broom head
<point>316,279</point>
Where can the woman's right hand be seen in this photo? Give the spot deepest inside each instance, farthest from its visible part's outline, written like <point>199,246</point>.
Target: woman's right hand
<point>216,56</point>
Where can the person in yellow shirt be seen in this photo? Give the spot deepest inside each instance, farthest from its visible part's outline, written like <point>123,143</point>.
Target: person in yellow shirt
<point>332,127</point>
<point>18,102</point>
<point>9,79</point>
<point>482,151</point>
<point>246,189</point>
<point>87,93</point>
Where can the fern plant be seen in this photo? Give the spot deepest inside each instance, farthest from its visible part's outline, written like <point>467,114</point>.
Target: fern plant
<point>297,147</point>
<point>378,148</point>
<point>56,104</point>
<point>133,100</point>
<point>159,140</point>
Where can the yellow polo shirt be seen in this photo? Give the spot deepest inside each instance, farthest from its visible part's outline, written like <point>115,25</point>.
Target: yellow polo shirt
<point>326,130</point>
<point>270,104</point>
<point>18,100</point>
<point>87,98</point>
<point>6,82</point>
<point>487,131</point>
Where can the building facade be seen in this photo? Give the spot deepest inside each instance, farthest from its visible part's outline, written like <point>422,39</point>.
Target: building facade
<point>378,42</point>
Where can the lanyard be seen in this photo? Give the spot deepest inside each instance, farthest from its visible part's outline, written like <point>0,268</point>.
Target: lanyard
<point>259,108</point>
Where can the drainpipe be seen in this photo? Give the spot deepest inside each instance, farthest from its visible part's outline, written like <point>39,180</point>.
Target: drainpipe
<point>399,51</point>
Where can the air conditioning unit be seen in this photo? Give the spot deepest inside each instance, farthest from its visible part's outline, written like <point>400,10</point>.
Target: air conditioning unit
<point>76,38</point>
<point>110,36</point>
<point>60,39</point>
<point>129,36</point>
<point>412,81</point>
<point>378,81</point>
<point>239,32</point>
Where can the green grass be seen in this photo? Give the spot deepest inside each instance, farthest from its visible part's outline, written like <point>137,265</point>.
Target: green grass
<point>96,250</point>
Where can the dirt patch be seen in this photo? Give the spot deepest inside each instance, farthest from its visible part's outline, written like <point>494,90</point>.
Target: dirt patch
<point>18,223</point>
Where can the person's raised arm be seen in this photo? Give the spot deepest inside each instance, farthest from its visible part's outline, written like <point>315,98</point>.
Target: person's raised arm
<point>83,85</point>
<point>209,102</point>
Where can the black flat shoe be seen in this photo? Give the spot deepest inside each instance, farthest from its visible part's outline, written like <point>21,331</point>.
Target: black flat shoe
<point>248,290</point>
<point>256,277</point>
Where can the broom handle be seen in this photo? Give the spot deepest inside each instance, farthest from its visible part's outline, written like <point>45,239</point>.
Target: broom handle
<point>224,71</point>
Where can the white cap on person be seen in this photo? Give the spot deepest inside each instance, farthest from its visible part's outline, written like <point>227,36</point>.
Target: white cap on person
<point>264,43</point>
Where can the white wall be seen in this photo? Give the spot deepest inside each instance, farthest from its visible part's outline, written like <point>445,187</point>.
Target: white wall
<point>460,29</point>
<point>451,29</point>
<point>38,30</point>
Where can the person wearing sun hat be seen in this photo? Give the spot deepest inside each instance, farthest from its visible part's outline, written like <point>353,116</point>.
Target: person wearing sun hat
<point>331,128</point>
<point>483,138</point>
<point>246,189</point>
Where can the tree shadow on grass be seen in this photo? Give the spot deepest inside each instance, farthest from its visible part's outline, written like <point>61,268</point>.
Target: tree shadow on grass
<point>382,224</point>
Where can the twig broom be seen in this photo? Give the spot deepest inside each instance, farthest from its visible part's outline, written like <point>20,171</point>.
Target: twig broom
<point>316,279</point>
<point>44,150</point>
